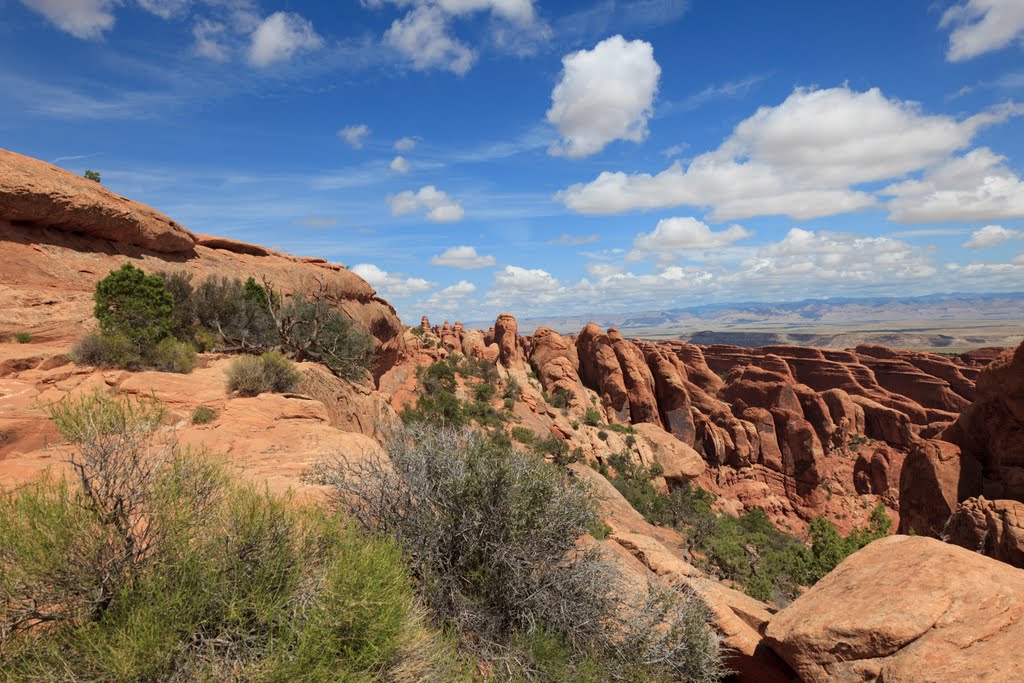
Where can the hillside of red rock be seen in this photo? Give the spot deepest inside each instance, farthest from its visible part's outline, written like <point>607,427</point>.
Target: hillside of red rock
<point>797,431</point>
<point>61,233</point>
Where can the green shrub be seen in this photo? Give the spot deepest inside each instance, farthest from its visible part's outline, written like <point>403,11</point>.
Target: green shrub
<point>484,392</point>
<point>171,355</point>
<point>133,305</point>
<point>235,314</point>
<point>92,175</point>
<point>317,332</point>
<point>106,351</point>
<point>554,448</point>
<point>513,392</point>
<point>491,533</point>
<point>203,415</point>
<point>592,417</point>
<point>270,372</point>
<point>23,337</point>
<point>523,435</point>
<point>621,429</point>
<point>183,315</point>
<point>560,398</point>
<point>228,583</point>
<point>438,377</point>
<point>117,351</point>
<point>749,549</point>
<point>603,435</point>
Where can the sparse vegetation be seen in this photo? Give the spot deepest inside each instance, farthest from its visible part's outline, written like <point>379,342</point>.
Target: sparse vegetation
<point>203,415</point>
<point>859,440</point>
<point>23,337</point>
<point>523,435</point>
<point>749,549</point>
<point>92,175</point>
<point>310,329</point>
<point>158,321</point>
<point>270,372</point>
<point>152,565</point>
<point>559,398</point>
<point>592,417</point>
<point>621,429</point>
<point>491,533</point>
<point>440,404</point>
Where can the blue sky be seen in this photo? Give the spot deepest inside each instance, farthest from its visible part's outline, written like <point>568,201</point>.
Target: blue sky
<point>476,156</point>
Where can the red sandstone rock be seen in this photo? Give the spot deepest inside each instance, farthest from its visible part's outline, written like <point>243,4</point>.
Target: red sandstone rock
<point>233,245</point>
<point>884,423</point>
<point>506,337</point>
<point>643,406</point>
<point>32,191</point>
<point>991,430</point>
<point>893,612</point>
<point>672,398</point>
<point>600,370</point>
<point>992,527</point>
<point>48,292</point>
<point>935,477</point>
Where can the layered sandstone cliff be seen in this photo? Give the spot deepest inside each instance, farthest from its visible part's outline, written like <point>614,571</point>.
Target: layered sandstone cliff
<point>62,233</point>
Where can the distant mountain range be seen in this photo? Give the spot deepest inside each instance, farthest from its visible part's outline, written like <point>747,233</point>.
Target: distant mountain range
<point>939,321</point>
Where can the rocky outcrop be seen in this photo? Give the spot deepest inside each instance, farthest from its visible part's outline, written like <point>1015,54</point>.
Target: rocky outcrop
<point>643,407</point>
<point>991,430</point>
<point>60,234</point>
<point>969,487</point>
<point>645,552</point>
<point>600,370</point>
<point>992,527</point>
<point>47,197</point>
<point>936,476</point>
<point>233,245</point>
<point>506,336</point>
<point>891,613</point>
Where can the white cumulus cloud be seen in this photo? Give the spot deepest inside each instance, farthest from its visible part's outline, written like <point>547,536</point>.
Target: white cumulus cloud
<point>991,236</point>
<point>86,19</point>
<point>400,164</point>
<point>439,206</point>
<point>406,144</point>
<point>391,284</point>
<point>280,37</point>
<point>981,26</point>
<point>422,37</point>
<point>604,94</point>
<point>462,257</point>
<point>974,187</point>
<point>355,135</point>
<point>802,158</point>
<point>459,289</point>
<point>685,233</point>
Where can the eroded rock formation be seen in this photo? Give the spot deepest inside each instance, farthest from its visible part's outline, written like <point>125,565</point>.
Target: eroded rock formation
<point>906,609</point>
<point>62,233</point>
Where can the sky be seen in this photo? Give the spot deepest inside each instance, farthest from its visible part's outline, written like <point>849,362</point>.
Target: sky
<point>470,157</point>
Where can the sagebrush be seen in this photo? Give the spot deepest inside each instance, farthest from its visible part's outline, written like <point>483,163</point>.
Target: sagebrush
<point>492,532</point>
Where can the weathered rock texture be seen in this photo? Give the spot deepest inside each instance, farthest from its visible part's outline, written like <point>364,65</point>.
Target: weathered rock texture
<point>907,609</point>
<point>796,431</point>
<point>60,234</point>
<point>34,192</point>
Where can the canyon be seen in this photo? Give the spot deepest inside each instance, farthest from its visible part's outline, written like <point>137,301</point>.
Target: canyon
<point>799,432</point>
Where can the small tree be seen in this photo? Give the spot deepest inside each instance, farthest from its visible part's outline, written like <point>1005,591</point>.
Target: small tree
<point>92,175</point>
<point>311,329</point>
<point>134,305</point>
